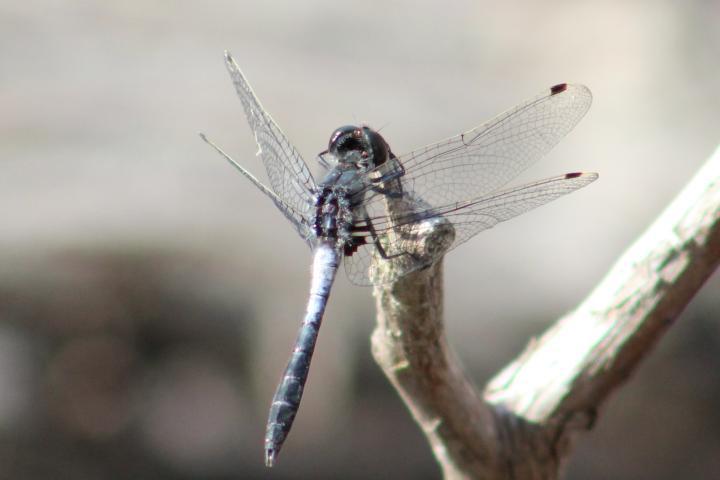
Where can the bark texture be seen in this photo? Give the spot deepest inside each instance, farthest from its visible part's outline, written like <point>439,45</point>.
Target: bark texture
<point>523,424</point>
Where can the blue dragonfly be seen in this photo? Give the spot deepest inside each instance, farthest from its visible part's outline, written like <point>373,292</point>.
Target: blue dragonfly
<point>386,215</point>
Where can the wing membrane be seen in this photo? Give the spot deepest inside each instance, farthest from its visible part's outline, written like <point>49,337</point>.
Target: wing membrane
<point>485,158</point>
<point>288,173</point>
<point>401,235</point>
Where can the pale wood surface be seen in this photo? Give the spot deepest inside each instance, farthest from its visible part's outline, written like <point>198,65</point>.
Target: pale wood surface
<point>523,423</point>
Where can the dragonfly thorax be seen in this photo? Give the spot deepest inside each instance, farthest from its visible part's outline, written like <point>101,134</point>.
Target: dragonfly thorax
<point>333,213</point>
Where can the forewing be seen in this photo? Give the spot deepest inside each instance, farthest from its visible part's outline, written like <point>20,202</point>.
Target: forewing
<point>485,158</point>
<point>414,239</point>
<point>288,173</point>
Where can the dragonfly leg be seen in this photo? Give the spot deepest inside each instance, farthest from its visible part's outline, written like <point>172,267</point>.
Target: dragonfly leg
<point>388,192</point>
<point>378,244</point>
<point>392,175</point>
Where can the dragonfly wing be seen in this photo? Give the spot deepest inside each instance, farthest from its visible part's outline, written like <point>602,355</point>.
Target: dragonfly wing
<point>485,158</point>
<point>288,173</point>
<point>414,239</point>
<point>301,222</point>
<point>473,216</point>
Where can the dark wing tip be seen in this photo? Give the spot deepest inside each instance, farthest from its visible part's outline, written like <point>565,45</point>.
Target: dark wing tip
<point>592,176</point>
<point>559,88</point>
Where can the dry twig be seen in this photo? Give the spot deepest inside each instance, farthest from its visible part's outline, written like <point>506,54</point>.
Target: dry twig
<point>522,425</point>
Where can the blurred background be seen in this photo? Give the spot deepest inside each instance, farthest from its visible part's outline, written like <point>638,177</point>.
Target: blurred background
<point>149,295</point>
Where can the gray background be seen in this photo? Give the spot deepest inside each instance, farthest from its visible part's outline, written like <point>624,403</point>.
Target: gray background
<point>149,295</point>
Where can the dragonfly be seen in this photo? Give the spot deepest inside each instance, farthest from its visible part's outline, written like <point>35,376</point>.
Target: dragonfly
<point>387,216</point>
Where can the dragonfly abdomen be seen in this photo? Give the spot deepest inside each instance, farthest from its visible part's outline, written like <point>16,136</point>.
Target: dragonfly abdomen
<point>286,401</point>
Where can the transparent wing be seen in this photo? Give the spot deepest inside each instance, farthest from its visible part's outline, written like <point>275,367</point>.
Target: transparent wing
<point>414,235</point>
<point>485,158</point>
<point>301,223</point>
<point>288,173</point>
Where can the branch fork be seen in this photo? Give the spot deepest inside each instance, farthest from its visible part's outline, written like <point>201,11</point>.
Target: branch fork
<point>523,424</point>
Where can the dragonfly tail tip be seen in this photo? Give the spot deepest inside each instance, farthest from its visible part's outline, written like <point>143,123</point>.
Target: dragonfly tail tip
<point>270,455</point>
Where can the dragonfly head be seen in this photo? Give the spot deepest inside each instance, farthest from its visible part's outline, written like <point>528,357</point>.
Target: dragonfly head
<point>360,146</point>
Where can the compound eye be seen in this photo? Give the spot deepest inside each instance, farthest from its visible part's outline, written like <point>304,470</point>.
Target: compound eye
<point>378,146</point>
<point>344,140</point>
